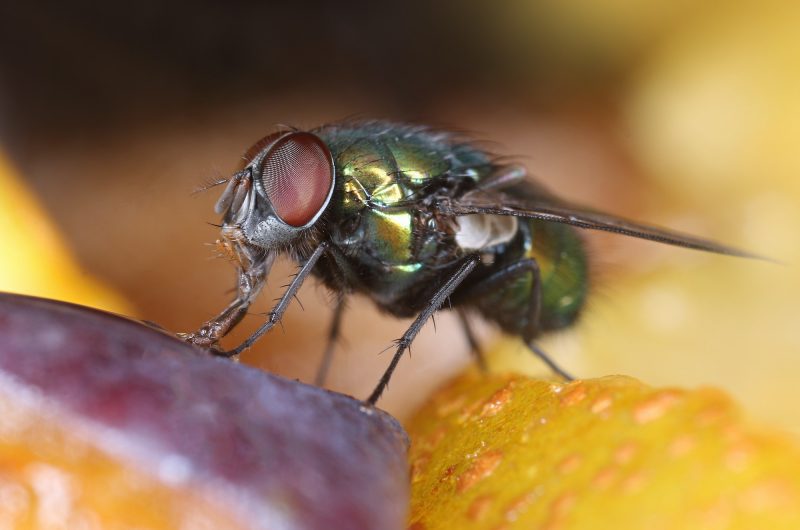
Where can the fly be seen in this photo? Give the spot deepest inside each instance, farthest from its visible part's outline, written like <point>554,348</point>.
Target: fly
<point>410,217</point>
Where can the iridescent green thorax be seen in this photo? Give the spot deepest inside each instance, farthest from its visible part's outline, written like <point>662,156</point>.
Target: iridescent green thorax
<point>398,250</point>
<point>383,177</point>
<point>391,166</point>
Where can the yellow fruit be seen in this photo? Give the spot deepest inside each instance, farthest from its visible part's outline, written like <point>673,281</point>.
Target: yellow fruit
<point>714,111</point>
<point>714,116</point>
<point>34,260</point>
<point>506,452</point>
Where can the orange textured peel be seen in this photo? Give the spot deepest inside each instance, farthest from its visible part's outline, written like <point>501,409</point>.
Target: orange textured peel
<point>505,452</point>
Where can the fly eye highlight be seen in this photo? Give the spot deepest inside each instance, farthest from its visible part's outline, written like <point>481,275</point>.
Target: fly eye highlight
<point>297,177</point>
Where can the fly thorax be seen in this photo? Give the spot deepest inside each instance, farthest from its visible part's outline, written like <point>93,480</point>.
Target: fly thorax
<point>479,232</point>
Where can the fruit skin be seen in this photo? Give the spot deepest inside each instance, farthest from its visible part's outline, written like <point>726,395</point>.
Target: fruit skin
<point>504,452</point>
<point>712,117</point>
<point>35,260</point>
<point>118,425</point>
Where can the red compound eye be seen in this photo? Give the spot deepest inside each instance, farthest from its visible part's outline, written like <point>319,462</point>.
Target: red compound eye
<point>297,177</point>
<point>257,147</point>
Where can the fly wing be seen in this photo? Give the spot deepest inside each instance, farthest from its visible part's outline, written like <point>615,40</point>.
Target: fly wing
<point>549,208</point>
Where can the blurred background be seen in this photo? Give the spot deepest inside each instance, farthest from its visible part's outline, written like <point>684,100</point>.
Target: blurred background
<point>681,113</point>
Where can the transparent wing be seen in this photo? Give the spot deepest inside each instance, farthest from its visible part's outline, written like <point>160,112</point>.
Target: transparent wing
<point>548,208</point>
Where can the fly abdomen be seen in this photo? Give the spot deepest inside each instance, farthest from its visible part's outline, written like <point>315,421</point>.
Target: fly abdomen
<point>537,282</point>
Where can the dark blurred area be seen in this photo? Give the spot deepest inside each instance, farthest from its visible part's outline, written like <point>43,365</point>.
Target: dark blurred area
<point>88,68</point>
<point>82,69</point>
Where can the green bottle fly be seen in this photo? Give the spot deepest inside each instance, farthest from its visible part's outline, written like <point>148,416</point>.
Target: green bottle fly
<point>412,218</point>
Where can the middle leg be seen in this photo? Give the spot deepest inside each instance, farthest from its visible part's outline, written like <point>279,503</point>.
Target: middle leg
<point>333,337</point>
<point>405,341</point>
<point>531,313</point>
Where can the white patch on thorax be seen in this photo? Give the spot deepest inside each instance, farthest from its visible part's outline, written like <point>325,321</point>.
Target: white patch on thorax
<point>476,232</point>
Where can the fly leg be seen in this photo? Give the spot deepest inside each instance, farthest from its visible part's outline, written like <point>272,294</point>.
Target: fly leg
<point>253,269</point>
<point>530,334</point>
<point>501,278</point>
<point>283,303</point>
<point>405,341</point>
<point>333,336</point>
<point>474,347</point>
<point>546,359</point>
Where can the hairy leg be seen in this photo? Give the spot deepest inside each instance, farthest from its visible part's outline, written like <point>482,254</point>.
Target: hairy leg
<point>498,280</point>
<point>475,348</point>
<point>408,337</point>
<point>253,269</point>
<point>333,336</point>
<point>283,303</point>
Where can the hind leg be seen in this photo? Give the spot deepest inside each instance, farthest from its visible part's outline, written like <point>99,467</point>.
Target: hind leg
<point>333,336</point>
<point>474,347</point>
<point>484,294</point>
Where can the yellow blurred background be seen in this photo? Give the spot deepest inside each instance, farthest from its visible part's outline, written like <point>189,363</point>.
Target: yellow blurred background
<point>683,114</point>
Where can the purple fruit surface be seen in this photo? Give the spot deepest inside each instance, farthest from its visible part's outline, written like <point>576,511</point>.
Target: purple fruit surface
<point>278,453</point>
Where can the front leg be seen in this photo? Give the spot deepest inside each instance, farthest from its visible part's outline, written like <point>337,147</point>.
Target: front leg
<point>283,303</point>
<point>253,268</point>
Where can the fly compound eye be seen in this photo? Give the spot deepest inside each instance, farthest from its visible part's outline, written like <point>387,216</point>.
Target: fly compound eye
<point>259,146</point>
<point>297,177</point>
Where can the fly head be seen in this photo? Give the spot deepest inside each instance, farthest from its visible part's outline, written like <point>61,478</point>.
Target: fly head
<point>280,193</point>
